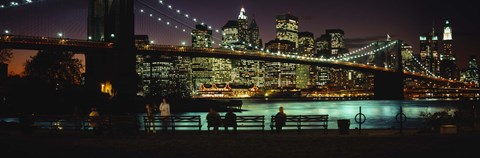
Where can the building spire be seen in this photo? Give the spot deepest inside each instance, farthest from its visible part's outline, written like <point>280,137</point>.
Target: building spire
<point>447,31</point>
<point>242,15</point>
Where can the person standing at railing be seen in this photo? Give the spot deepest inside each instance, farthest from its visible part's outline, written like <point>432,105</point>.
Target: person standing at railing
<point>280,119</point>
<point>150,118</point>
<point>165,113</point>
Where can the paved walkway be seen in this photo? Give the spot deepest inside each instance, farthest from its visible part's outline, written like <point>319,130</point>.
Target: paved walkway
<point>244,144</point>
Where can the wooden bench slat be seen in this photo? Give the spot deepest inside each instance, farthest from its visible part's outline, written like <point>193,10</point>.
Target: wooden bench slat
<point>246,121</point>
<point>300,121</point>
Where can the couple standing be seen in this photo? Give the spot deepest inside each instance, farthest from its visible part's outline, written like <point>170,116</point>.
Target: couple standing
<point>164,114</point>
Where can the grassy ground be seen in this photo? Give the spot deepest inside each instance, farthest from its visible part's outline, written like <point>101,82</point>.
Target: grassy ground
<point>244,144</point>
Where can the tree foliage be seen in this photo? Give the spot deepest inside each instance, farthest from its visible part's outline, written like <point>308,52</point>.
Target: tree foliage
<point>54,68</point>
<point>5,55</point>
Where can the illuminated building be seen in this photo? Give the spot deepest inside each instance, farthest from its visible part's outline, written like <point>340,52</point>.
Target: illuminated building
<point>472,74</point>
<point>337,42</point>
<point>407,56</point>
<point>162,75</point>
<point>429,55</point>
<point>255,42</point>
<point>230,35</point>
<point>201,37</point>
<point>250,72</point>
<point>448,66</point>
<point>281,46</point>
<point>448,54</point>
<point>238,35</point>
<point>243,33</point>
<point>322,50</point>
<point>322,47</point>
<point>331,44</point>
<point>283,75</point>
<point>407,61</point>
<point>202,72</point>
<point>272,73</point>
<point>287,28</point>
<point>222,70</point>
<point>306,75</point>
<point>306,44</point>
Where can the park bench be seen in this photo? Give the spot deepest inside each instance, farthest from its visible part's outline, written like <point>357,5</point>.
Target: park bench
<point>173,122</point>
<point>115,124</point>
<point>300,121</point>
<point>246,122</point>
<point>57,122</point>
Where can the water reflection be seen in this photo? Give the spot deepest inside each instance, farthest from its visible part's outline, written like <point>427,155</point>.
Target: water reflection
<point>380,114</point>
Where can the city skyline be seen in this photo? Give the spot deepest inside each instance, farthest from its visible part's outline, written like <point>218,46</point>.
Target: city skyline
<point>416,21</point>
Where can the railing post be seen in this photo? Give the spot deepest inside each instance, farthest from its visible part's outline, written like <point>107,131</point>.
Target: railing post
<point>359,120</point>
<point>401,118</point>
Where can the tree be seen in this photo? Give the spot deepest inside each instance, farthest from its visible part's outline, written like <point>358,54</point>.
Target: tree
<point>5,55</point>
<point>56,68</point>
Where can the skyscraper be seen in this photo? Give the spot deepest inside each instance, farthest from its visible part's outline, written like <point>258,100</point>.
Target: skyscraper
<point>201,37</point>
<point>337,42</point>
<point>429,55</point>
<point>202,72</point>
<point>330,45</point>
<point>407,56</point>
<point>231,35</point>
<point>306,74</point>
<point>448,54</point>
<point>255,42</point>
<point>472,74</point>
<point>239,35</point>
<point>306,44</point>
<point>287,28</point>
<point>243,33</point>
<point>322,46</point>
<point>162,75</point>
<point>280,75</point>
<point>448,66</point>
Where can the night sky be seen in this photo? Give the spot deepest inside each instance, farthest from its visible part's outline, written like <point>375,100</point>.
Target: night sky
<point>362,20</point>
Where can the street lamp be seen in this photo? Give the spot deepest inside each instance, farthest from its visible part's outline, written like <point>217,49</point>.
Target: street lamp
<point>7,32</point>
<point>183,43</point>
<point>60,34</point>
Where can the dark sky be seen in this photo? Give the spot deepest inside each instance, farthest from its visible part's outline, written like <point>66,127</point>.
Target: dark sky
<point>362,20</point>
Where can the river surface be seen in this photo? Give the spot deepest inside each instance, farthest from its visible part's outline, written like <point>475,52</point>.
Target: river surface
<point>379,114</point>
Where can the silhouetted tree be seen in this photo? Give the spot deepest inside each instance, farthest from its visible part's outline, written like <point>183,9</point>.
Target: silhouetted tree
<point>51,83</point>
<point>56,68</point>
<point>5,55</point>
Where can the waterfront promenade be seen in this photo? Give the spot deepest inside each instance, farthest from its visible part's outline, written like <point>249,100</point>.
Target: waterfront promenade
<point>244,144</point>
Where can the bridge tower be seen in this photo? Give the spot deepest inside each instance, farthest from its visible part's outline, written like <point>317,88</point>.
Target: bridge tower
<point>112,21</point>
<point>390,85</point>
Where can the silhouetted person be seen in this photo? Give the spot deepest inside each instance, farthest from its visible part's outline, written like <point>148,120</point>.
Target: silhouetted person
<point>280,119</point>
<point>77,118</point>
<point>230,120</point>
<point>26,123</point>
<point>95,121</point>
<point>214,120</point>
<point>165,113</point>
<point>150,118</point>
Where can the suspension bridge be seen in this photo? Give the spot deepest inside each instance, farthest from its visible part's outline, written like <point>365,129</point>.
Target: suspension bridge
<point>110,48</point>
